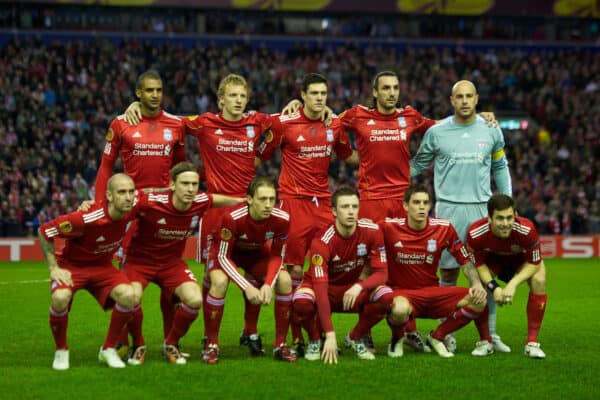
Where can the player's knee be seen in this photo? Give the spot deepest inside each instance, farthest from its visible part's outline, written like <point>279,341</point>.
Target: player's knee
<point>538,282</point>
<point>190,294</point>
<point>296,271</point>
<point>400,308</point>
<point>124,295</point>
<point>61,299</point>
<point>218,284</point>
<point>284,282</point>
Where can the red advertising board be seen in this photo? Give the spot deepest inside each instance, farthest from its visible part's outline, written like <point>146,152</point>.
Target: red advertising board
<point>586,246</point>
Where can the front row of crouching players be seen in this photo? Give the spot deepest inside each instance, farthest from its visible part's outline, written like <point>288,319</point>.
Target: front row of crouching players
<point>252,237</point>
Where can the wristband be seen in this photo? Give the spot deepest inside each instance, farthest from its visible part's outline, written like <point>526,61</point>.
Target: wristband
<point>492,285</point>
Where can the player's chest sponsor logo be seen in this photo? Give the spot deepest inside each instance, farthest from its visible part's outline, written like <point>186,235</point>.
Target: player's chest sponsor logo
<point>402,122</point>
<point>167,135</point>
<point>361,249</point>
<point>431,245</point>
<point>388,135</point>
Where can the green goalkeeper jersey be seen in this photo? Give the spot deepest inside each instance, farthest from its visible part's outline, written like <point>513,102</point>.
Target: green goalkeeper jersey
<point>465,156</point>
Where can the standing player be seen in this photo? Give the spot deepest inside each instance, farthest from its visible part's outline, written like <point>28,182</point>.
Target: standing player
<point>252,236</point>
<point>466,152</point>
<point>148,151</point>
<point>165,221</point>
<point>338,256</point>
<point>85,263</point>
<point>508,247</point>
<point>307,146</point>
<point>415,244</point>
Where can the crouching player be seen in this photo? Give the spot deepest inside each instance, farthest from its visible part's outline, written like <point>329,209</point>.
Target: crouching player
<point>508,247</point>
<point>415,244</point>
<point>252,237</point>
<point>92,237</point>
<point>338,256</point>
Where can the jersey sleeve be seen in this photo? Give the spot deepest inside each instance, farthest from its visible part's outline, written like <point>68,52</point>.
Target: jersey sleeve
<point>319,257</point>
<point>277,253</point>
<point>479,255</point>
<point>223,247</point>
<point>422,124</point>
<point>110,154</point>
<point>422,160</point>
<point>377,261</point>
<point>500,170</point>
<point>272,140</point>
<point>456,247</point>
<point>347,117</point>
<point>343,148</point>
<point>193,125</point>
<point>533,247</point>
<point>66,226</point>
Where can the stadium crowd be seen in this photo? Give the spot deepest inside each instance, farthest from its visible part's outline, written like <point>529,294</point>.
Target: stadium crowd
<point>59,98</point>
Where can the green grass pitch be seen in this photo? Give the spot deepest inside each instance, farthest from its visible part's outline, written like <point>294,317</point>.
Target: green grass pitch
<point>569,337</point>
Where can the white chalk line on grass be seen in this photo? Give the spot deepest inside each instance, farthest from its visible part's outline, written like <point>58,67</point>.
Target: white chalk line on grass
<point>24,282</point>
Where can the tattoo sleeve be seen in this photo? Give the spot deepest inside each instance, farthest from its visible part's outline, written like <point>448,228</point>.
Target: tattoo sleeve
<point>471,273</point>
<point>48,251</point>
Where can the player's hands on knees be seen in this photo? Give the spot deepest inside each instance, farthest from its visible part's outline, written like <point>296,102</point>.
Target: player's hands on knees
<point>330,349</point>
<point>351,295</point>
<point>266,293</point>
<point>61,276</point>
<point>85,205</point>
<point>477,293</point>
<point>490,119</point>
<point>291,107</point>
<point>253,295</point>
<point>133,114</point>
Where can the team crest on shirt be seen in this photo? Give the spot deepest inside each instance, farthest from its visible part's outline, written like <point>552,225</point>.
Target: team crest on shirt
<point>361,250</point>
<point>65,227</point>
<point>109,135</point>
<point>431,245</point>
<point>402,122</point>
<point>225,234</point>
<point>167,135</point>
<point>329,135</point>
<point>317,260</point>
<point>194,222</point>
<point>250,131</point>
<point>269,235</point>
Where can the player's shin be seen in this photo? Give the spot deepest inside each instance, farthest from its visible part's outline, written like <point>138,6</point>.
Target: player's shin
<point>213,314</point>
<point>283,310</point>
<point>536,307</point>
<point>184,317</point>
<point>59,321</point>
<point>119,318</point>
<point>455,321</point>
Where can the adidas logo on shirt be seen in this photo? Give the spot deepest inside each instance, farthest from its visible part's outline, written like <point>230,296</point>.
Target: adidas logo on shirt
<point>137,134</point>
<point>336,258</point>
<point>100,239</point>
<point>371,122</point>
<point>162,221</point>
<point>244,236</point>
<point>466,135</point>
<point>398,244</point>
<point>218,132</point>
<point>300,139</point>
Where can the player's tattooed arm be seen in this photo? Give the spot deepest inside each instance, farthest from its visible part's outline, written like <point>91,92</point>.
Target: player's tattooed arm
<point>476,289</point>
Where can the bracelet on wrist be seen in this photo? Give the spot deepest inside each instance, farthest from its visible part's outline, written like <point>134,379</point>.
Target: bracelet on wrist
<point>492,285</point>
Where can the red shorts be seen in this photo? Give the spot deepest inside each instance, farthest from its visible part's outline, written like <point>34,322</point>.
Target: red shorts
<point>168,278</point>
<point>307,217</point>
<point>336,297</point>
<point>254,265</point>
<point>378,210</point>
<point>433,302</point>
<point>99,280</point>
<point>209,224</point>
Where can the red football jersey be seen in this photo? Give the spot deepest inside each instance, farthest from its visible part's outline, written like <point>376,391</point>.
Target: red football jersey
<point>227,149</point>
<point>383,143</point>
<point>162,230</point>
<point>522,243</point>
<point>306,150</point>
<point>414,255</point>
<point>339,261</point>
<point>241,234</point>
<point>92,236</point>
<point>148,150</point>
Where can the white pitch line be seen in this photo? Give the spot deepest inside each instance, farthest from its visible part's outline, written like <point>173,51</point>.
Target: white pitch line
<point>31,281</point>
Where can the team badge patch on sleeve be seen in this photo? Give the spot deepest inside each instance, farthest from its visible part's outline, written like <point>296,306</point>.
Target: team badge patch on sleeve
<point>225,234</point>
<point>269,137</point>
<point>110,135</point>
<point>317,260</point>
<point>65,227</point>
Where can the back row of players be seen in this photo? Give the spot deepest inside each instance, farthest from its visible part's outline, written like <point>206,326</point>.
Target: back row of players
<point>466,151</point>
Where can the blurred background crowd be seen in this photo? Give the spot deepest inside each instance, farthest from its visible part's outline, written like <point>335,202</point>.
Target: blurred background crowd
<point>60,94</point>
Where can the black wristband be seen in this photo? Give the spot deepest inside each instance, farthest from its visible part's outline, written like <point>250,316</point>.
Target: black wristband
<point>492,285</point>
